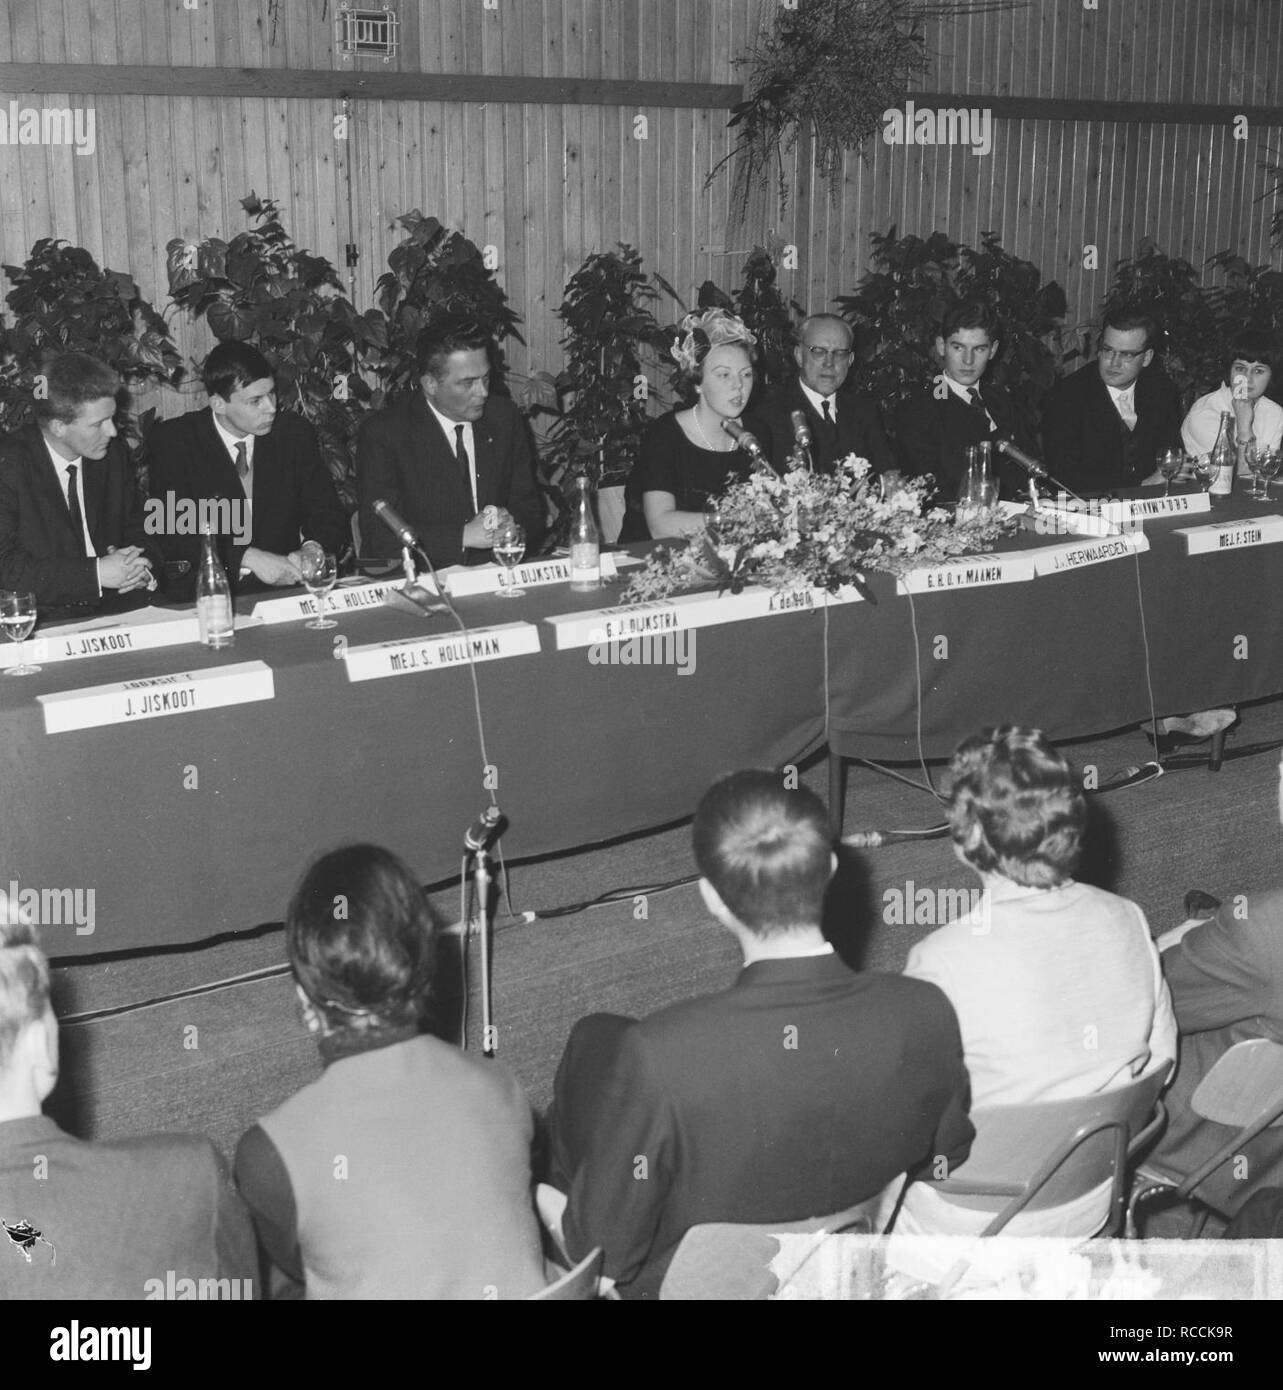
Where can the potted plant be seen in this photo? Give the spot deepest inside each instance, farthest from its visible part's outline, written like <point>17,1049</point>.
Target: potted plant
<point>262,289</point>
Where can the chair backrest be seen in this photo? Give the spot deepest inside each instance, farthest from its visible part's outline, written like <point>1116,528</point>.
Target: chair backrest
<point>578,1285</point>
<point>1245,1085</point>
<point>722,1260</point>
<point>1052,1152</point>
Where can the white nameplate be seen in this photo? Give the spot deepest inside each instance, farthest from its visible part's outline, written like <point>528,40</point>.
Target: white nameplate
<point>1060,559</point>
<point>440,653</point>
<point>183,692</point>
<point>1066,521</point>
<point>687,611</point>
<point>106,641</point>
<point>1150,508</point>
<point>1232,535</point>
<point>345,599</point>
<point>490,579</point>
<point>968,572</point>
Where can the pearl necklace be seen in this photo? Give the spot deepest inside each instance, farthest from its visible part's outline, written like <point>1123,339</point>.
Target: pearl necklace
<point>712,448</point>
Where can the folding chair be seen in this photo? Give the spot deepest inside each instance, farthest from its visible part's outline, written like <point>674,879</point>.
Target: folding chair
<point>578,1285</point>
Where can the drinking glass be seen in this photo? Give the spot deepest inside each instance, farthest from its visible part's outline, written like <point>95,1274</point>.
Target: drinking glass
<point>1265,464</point>
<point>320,576</point>
<point>1170,465</point>
<point>509,547</point>
<point>1204,468</point>
<point>18,617</point>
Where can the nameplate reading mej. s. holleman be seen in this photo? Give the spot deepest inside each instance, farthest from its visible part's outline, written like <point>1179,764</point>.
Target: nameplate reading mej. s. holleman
<point>181,692</point>
<point>442,653</point>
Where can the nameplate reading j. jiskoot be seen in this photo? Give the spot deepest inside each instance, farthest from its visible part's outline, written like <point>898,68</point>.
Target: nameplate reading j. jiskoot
<point>1232,535</point>
<point>490,579</point>
<point>349,599</point>
<point>1061,559</point>
<point>969,572</point>
<point>106,641</point>
<point>440,653</point>
<point>623,623</point>
<point>183,692</point>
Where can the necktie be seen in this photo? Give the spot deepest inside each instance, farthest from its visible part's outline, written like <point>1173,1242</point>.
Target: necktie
<point>830,424</point>
<point>974,393</point>
<point>242,459</point>
<point>465,464</point>
<point>73,509</point>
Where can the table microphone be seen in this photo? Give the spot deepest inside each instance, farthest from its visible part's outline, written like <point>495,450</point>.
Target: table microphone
<point>485,829</point>
<point>398,525</point>
<point>748,442</point>
<point>1030,465</point>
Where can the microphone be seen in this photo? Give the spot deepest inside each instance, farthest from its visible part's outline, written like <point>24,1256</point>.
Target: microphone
<point>875,839</point>
<point>1030,465</point>
<point>748,442</point>
<point>801,430</point>
<point>398,525</point>
<point>484,830</point>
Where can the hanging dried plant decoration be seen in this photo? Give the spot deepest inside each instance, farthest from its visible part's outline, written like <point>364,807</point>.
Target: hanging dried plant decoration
<point>837,66</point>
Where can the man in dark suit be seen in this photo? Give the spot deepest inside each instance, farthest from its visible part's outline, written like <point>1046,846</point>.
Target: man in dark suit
<point>136,1218</point>
<point>452,459</point>
<point>802,1090</point>
<point>71,515</point>
<point>936,426</point>
<point>256,472</point>
<point>842,421</point>
<point>1104,426</point>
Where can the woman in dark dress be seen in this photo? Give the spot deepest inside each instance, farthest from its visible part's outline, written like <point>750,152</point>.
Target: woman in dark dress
<point>686,456</point>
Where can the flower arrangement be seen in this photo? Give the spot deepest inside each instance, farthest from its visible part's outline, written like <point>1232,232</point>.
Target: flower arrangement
<point>811,529</point>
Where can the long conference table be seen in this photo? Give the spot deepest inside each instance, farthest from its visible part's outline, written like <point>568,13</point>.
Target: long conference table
<point>187,819</point>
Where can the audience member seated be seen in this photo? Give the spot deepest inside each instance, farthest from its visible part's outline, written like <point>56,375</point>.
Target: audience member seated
<point>262,464</point>
<point>841,420</point>
<point>801,1090</point>
<point>686,456</point>
<point>451,458</point>
<point>404,1170</point>
<point>1226,979</point>
<point>1258,421</point>
<point>71,513</point>
<point>130,1219</point>
<point>1104,426</point>
<point>937,425</point>
<point>1057,985</point>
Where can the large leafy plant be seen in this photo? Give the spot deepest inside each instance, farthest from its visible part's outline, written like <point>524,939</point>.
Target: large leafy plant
<point>611,328</point>
<point>262,289</point>
<point>62,301</point>
<point>435,273</point>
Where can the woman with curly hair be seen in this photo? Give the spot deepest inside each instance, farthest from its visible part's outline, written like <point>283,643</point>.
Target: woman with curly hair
<point>686,456</point>
<point>1057,985</point>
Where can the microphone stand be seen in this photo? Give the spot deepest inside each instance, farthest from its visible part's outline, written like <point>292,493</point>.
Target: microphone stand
<point>476,847</point>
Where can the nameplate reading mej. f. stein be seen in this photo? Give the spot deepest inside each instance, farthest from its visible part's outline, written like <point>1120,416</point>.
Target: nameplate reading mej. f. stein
<point>182,692</point>
<point>967,572</point>
<point>413,655</point>
<point>108,641</point>
<point>490,579</point>
<point>1232,535</point>
<point>1061,559</point>
<point>629,621</point>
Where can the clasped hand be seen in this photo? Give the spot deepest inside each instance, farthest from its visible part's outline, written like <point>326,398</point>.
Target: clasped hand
<point>124,570</point>
<point>478,534</point>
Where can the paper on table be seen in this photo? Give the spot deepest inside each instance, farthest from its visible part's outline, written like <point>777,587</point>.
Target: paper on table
<point>138,617</point>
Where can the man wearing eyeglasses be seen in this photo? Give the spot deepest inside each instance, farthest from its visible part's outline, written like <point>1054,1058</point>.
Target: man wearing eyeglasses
<point>842,420</point>
<point>1103,427</point>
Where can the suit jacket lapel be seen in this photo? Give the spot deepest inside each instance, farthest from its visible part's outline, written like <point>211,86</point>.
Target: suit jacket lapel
<point>441,458</point>
<point>93,488</point>
<point>46,484</point>
<point>219,461</point>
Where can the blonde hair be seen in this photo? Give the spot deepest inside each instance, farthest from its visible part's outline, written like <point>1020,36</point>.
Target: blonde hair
<point>24,978</point>
<point>699,334</point>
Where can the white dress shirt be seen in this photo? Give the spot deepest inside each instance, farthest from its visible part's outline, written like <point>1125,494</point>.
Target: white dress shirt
<point>1124,400</point>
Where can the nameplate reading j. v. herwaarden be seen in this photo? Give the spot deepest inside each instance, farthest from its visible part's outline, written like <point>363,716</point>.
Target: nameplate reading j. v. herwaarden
<point>182,692</point>
<point>1232,535</point>
<point>447,650</point>
<point>1061,559</point>
<point>622,624</point>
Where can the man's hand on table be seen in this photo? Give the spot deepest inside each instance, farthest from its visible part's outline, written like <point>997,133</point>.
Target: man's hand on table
<point>125,570</point>
<point>478,534</point>
<point>271,569</point>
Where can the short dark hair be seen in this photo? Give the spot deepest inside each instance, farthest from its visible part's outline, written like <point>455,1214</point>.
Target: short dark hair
<point>361,939</point>
<point>1128,320</point>
<point>971,313</point>
<point>232,365</point>
<point>1252,345</point>
<point>1015,806</point>
<point>73,380</point>
<point>439,340</point>
<point>765,849</point>
<point>24,979</point>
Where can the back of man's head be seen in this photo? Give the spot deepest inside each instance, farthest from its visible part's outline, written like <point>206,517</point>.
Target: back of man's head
<point>24,981</point>
<point>765,849</point>
<point>73,380</point>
